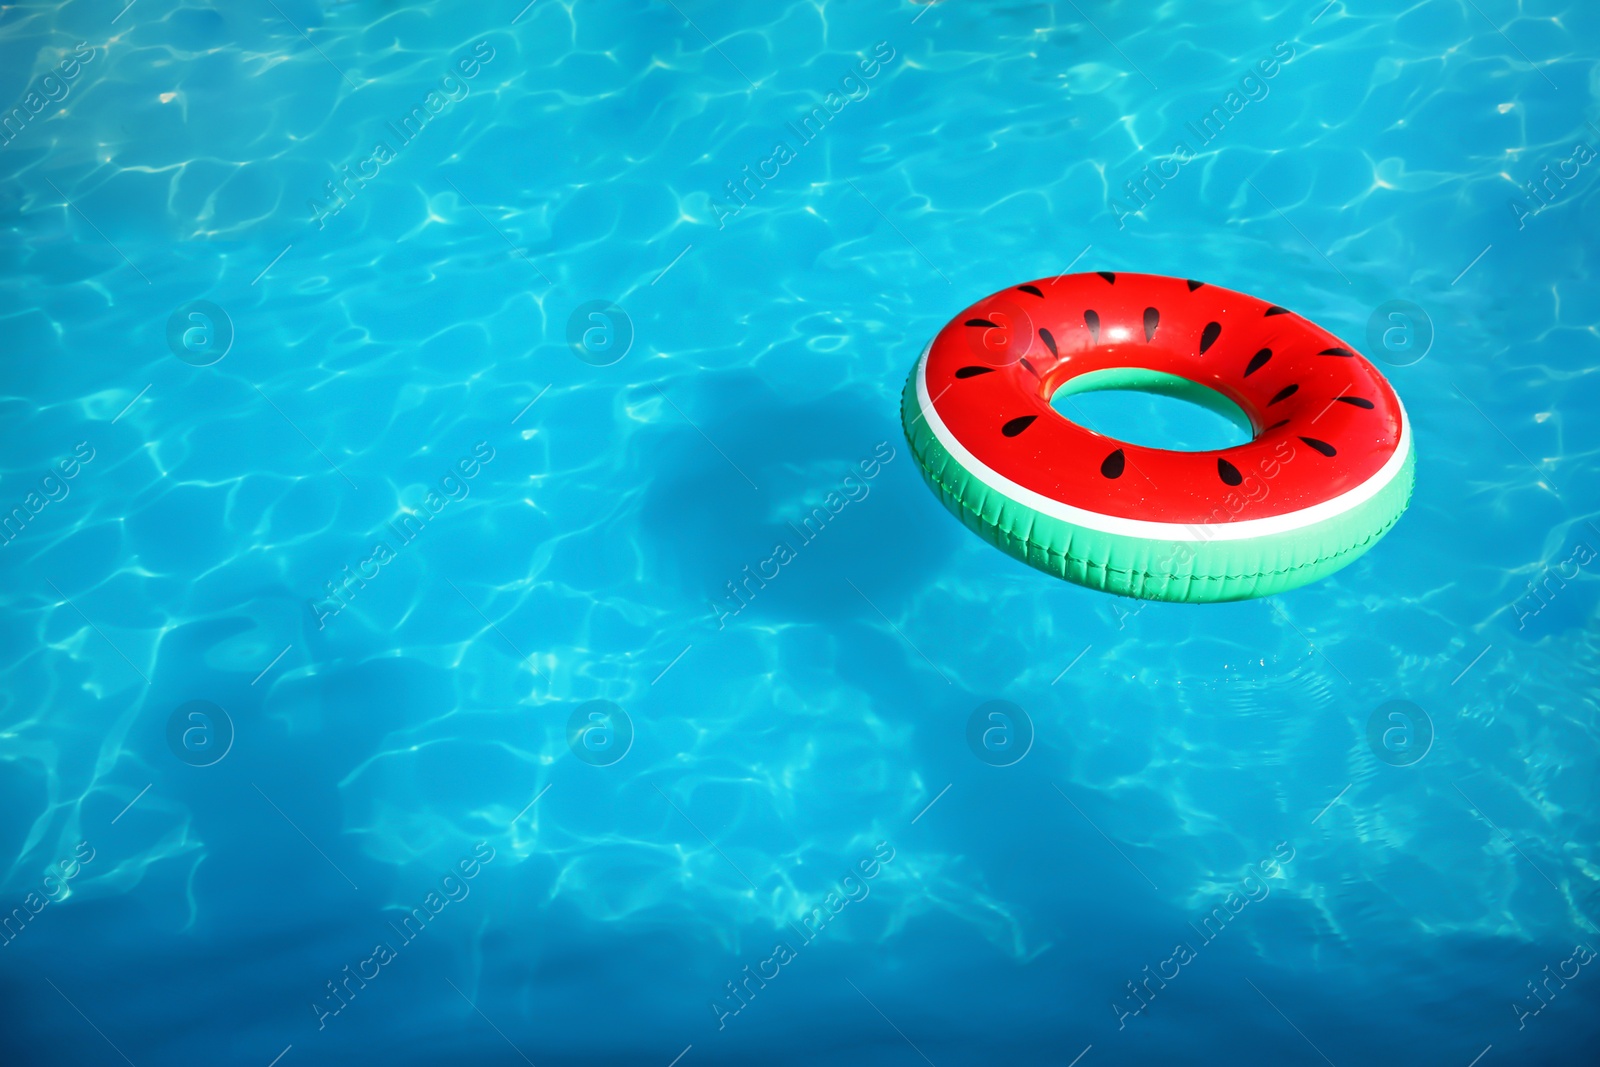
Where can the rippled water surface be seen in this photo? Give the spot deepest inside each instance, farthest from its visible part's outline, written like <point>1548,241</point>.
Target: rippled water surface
<point>296,663</point>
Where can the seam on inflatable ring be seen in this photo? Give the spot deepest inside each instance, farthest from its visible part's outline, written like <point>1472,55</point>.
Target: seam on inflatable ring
<point>1094,565</point>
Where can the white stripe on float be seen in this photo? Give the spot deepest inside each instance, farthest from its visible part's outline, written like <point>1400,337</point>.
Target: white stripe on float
<point>1244,529</point>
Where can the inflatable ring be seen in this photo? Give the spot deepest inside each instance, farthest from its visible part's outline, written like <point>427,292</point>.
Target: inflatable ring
<point>1327,472</point>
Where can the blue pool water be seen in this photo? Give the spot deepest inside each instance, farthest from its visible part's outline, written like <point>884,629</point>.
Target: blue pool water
<point>297,663</point>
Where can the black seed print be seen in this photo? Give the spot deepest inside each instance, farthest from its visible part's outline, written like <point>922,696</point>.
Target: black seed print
<point>973,372</point>
<point>1258,361</point>
<point>1034,289</point>
<point>1108,276</point>
<point>1284,394</point>
<point>979,322</point>
<point>1193,285</point>
<point>1049,342</point>
<point>1091,319</point>
<point>1276,310</point>
<point>1228,473</point>
<point>1336,352</point>
<point>1028,367</point>
<point>1112,466</point>
<point>1152,319</point>
<point>1016,426</point>
<point>1321,446</point>
<point>1358,401</point>
<point>1274,426</point>
<point>1209,335</point>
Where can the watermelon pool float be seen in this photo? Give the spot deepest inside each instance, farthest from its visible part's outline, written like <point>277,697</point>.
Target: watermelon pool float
<point>1327,472</point>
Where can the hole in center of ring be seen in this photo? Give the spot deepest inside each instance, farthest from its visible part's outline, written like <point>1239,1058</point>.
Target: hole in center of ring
<point>1153,409</point>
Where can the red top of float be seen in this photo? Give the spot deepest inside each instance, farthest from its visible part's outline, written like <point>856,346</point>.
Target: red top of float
<point>991,371</point>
